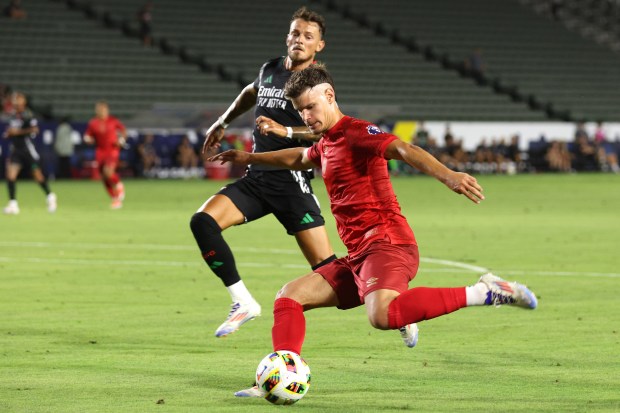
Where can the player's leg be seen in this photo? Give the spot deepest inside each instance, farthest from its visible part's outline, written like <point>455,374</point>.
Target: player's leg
<point>390,306</point>
<point>50,197</point>
<point>289,324</point>
<point>12,172</point>
<point>290,199</point>
<point>314,244</point>
<point>218,213</point>
<point>112,181</point>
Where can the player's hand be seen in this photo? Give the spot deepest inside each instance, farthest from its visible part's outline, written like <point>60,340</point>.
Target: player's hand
<point>467,185</point>
<point>213,137</point>
<point>233,156</point>
<point>10,132</point>
<point>122,143</point>
<point>88,139</point>
<point>266,125</point>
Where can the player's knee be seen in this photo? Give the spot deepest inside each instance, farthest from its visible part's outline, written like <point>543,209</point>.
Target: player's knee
<point>201,222</point>
<point>379,321</point>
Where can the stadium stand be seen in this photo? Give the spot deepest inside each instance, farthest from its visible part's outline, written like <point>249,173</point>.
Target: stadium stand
<point>390,55</point>
<point>371,69</point>
<point>67,61</point>
<point>548,66</point>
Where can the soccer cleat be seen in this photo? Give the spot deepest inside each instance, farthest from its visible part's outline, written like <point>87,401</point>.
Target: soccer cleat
<point>410,333</point>
<point>116,204</point>
<point>51,202</point>
<point>253,391</point>
<point>120,191</point>
<point>12,208</point>
<point>509,293</point>
<point>239,313</point>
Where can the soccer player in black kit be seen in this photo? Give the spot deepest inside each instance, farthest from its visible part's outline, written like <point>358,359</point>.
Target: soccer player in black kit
<point>266,190</point>
<point>22,153</point>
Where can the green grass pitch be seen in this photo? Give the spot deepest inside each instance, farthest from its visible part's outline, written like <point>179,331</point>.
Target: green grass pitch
<point>114,311</point>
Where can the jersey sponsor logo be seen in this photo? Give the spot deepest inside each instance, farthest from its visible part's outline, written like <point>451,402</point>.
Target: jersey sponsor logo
<point>271,97</point>
<point>370,233</point>
<point>269,79</point>
<point>373,130</point>
<point>371,281</point>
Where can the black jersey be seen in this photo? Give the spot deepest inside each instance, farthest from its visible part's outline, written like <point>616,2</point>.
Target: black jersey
<point>270,102</point>
<point>22,120</point>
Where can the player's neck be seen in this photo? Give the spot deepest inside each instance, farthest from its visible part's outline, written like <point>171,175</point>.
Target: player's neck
<point>293,66</point>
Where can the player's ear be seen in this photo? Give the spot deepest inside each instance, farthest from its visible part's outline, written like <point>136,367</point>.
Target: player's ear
<point>330,94</point>
<point>320,46</point>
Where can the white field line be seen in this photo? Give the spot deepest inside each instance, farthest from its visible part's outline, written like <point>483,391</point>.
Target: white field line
<point>450,266</point>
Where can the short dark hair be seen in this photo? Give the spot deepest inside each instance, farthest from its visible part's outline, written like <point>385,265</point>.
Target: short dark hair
<point>310,16</point>
<point>307,78</point>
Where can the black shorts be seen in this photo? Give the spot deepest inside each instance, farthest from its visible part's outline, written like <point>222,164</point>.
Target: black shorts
<point>285,194</point>
<point>24,157</point>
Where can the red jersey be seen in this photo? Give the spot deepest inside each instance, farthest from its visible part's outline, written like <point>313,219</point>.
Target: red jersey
<point>105,132</point>
<point>351,155</point>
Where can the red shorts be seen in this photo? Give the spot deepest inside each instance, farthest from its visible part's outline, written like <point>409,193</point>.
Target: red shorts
<point>381,266</point>
<point>107,157</point>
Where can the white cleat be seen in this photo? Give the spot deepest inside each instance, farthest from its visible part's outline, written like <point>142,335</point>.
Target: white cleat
<point>120,191</point>
<point>240,313</point>
<point>12,208</point>
<point>410,333</point>
<point>253,391</point>
<point>509,293</point>
<point>51,202</point>
<point>116,204</point>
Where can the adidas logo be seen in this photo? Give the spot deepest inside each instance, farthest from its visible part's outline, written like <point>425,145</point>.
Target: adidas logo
<point>306,219</point>
<point>215,264</point>
<point>269,79</point>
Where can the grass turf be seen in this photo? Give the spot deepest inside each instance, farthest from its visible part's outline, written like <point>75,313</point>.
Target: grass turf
<point>113,311</point>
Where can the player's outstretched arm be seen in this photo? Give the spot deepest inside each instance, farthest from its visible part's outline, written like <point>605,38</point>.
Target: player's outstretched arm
<point>459,182</point>
<point>293,158</point>
<point>266,125</point>
<point>244,102</point>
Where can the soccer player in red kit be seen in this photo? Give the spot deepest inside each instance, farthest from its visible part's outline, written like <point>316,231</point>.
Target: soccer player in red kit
<point>108,134</point>
<point>383,254</point>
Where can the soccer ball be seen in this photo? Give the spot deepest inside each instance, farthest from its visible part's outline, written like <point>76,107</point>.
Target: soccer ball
<point>284,376</point>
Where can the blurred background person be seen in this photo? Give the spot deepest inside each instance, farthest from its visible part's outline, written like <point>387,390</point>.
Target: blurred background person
<point>147,155</point>
<point>23,127</point>
<point>14,10</point>
<point>186,156</point>
<point>108,135</point>
<point>64,148</point>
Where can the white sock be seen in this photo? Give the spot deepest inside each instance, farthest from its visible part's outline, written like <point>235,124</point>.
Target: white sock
<point>476,294</point>
<point>239,293</point>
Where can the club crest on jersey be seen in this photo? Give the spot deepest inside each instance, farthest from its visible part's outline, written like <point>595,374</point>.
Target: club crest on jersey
<point>373,130</point>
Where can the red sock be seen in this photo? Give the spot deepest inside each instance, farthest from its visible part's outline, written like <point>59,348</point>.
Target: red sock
<point>115,179</point>
<point>289,325</point>
<point>422,303</point>
<point>109,187</point>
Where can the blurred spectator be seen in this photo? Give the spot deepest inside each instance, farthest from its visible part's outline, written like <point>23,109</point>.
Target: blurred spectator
<point>186,156</point>
<point>145,18</point>
<point>14,10</point>
<point>475,63</point>
<point>453,155</point>
<point>512,151</point>
<point>421,136</point>
<point>585,155</point>
<point>606,151</point>
<point>63,146</point>
<point>147,155</point>
<point>6,101</point>
<point>558,157</point>
<point>580,131</point>
<point>599,134</point>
